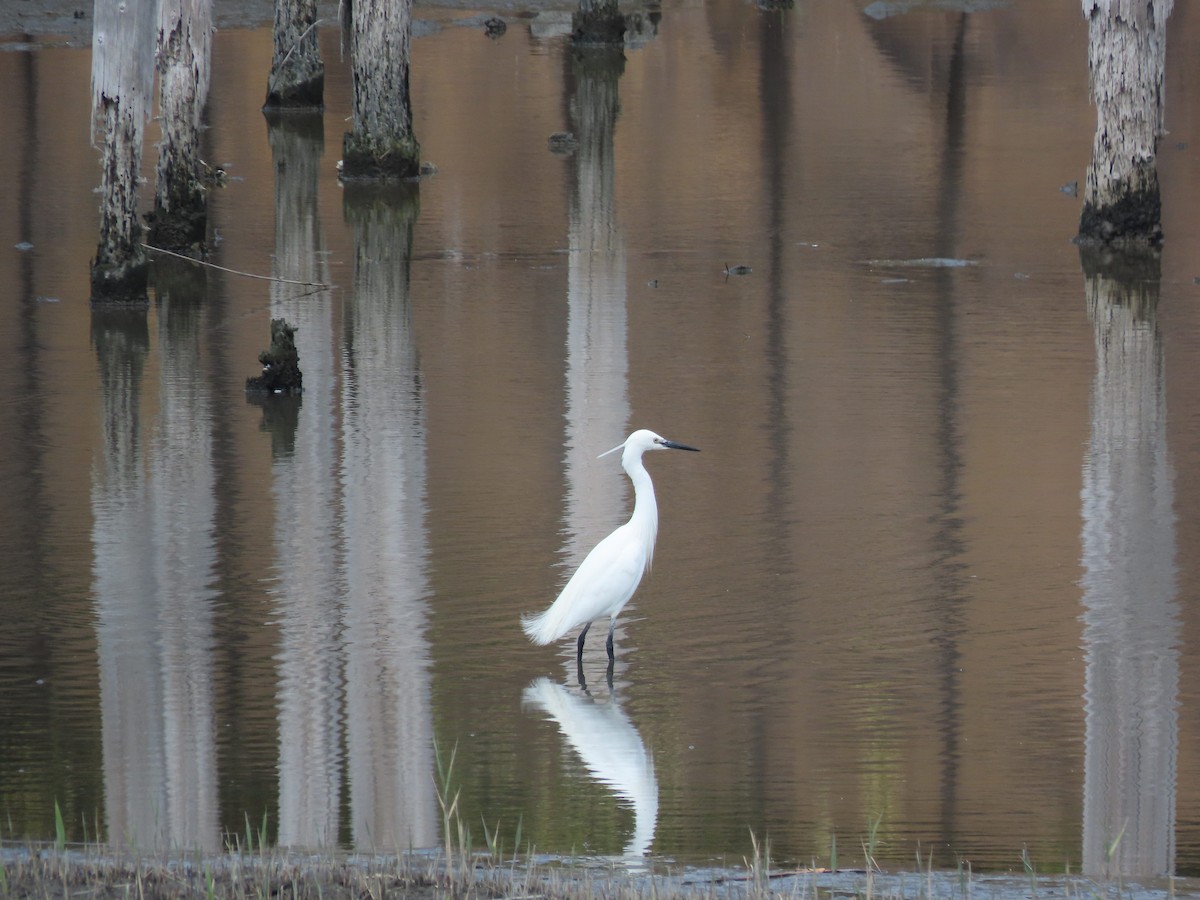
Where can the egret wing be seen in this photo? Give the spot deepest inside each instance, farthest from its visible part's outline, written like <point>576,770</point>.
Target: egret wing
<point>601,585</point>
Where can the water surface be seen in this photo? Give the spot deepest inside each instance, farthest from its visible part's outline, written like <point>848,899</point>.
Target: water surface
<point>933,568</point>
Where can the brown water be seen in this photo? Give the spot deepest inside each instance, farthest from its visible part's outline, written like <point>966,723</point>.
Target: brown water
<point>936,565</point>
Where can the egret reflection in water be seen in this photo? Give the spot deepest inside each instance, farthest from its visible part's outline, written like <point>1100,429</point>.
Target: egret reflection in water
<point>612,750</point>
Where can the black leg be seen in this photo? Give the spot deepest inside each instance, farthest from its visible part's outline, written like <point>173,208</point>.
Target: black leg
<point>608,674</point>
<point>579,646</point>
<point>608,643</point>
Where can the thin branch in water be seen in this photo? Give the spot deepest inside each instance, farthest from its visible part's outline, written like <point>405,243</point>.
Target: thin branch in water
<point>316,284</point>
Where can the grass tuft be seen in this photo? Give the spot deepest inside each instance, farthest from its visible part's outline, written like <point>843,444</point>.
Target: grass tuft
<point>254,868</point>
<point>759,863</point>
<point>60,829</point>
<point>456,834</point>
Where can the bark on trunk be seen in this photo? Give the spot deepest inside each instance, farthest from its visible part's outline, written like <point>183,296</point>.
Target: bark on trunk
<point>180,218</point>
<point>382,143</point>
<point>119,270</point>
<point>297,79</point>
<point>122,78</point>
<point>1126,59</point>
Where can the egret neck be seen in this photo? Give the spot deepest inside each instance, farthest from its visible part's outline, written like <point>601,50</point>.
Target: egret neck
<point>645,507</point>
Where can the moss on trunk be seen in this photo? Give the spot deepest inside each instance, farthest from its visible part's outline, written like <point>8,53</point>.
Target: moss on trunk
<point>120,282</point>
<point>366,156</point>
<point>1132,212</point>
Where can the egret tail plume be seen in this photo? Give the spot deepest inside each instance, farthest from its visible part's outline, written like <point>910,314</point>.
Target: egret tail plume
<point>546,627</point>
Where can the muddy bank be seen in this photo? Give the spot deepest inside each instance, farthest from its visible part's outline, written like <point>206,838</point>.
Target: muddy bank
<point>53,873</point>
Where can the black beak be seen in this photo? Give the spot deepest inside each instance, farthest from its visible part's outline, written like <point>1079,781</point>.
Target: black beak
<point>671,445</point>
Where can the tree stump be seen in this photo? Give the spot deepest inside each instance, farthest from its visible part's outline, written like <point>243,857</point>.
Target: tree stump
<point>280,363</point>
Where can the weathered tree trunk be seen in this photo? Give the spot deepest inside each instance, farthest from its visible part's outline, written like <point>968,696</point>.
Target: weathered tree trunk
<point>1126,58</point>
<point>180,218</point>
<point>297,79</point>
<point>122,78</point>
<point>597,22</point>
<point>382,143</point>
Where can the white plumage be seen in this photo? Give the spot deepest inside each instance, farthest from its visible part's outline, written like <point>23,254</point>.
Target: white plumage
<point>607,578</point>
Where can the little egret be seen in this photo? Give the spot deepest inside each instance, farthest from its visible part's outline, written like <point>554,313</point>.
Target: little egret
<point>606,580</point>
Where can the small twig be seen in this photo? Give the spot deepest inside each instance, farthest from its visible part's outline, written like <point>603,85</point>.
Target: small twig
<point>200,262</point>
<point>779,873</point>
<point>291,49</point>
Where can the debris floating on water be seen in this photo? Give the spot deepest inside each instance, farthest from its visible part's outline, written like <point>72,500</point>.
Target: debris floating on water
<point>925,262</point>
<point>562,142</point>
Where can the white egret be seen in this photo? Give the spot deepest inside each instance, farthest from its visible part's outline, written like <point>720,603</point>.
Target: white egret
<point>610,574</point>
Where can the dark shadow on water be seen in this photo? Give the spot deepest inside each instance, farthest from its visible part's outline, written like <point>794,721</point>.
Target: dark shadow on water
<point>950,596</point>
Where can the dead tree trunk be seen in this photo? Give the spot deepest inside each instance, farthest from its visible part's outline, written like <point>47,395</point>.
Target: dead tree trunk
<point>382,143</point>
<point>180,216</point>
<point>297,79</point>
<point>1127,43</point>
<point>122,78</point>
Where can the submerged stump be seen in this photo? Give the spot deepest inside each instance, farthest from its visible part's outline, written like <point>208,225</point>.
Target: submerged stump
<point>1126,60</point>
<point>297,79</point>
<point>280,363</point>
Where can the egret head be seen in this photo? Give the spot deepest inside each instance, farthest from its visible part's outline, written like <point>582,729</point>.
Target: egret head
<point>641,441</point>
